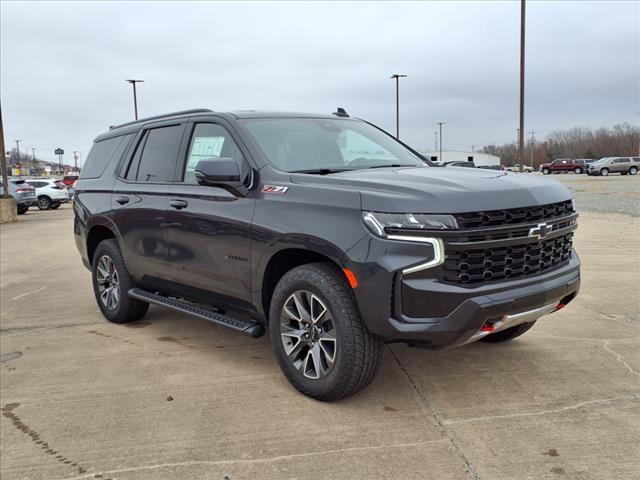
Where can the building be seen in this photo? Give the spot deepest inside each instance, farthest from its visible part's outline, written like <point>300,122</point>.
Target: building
<point>480,159</point>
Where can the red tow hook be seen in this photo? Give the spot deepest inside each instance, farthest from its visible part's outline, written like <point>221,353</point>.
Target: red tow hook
<point>488,327</point>
<point>560,306</point>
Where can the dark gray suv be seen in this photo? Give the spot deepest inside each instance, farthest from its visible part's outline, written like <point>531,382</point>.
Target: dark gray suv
<point>323,229</point>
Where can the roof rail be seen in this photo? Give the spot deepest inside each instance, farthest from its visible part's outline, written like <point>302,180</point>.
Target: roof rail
<point>166,115</point>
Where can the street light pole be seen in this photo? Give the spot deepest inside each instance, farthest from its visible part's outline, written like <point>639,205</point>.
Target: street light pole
<point>440,159</point>
<point>3,163</point>
<point>435,140</point>
<point>135,96</point>
<point>18,152</point>
<point>33,159</point>
<point>75,160</point>
<point>521,130</point>
<point>532,145</point>
<point>397,77</point>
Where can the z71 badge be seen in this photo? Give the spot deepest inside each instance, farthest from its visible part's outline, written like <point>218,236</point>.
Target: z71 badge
<point>275,189</point>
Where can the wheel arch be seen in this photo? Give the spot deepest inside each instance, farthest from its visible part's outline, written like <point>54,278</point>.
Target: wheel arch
<point>285,259</point>
<point>97,233</point>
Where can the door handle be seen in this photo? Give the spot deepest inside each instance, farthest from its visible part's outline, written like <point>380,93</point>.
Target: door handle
<point>178,204</point>
<point>122,200</point>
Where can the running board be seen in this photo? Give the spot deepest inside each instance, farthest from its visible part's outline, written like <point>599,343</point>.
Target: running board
<point>253,329</point>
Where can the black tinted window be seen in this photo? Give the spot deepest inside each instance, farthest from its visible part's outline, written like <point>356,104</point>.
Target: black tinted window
<point>209,141</point>
<point>159,154</point>
<point>102,153</point>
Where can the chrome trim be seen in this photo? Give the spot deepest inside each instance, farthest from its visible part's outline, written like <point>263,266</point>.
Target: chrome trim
<point>438,251</point>
<point>508,321</point>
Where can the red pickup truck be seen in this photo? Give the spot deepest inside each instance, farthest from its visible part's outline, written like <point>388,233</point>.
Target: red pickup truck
<point>563,165</point>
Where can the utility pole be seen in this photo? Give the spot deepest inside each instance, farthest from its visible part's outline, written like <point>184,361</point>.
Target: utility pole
<point>397,77</point>
<point>3,163</point>
<point>135,96</point>
<point>33,159</point>
<point>532,145</point>
<point>18,154</point>
<point>521,129</point>
<point>518,146</point>
<point>440,159</point>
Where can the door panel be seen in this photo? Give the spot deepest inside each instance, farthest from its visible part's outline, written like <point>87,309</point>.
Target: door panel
<point>139,213</point>
<point>208,231</point>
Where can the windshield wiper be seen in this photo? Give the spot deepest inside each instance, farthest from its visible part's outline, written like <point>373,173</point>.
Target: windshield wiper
<point>322,171</point>
<point>393,165</point>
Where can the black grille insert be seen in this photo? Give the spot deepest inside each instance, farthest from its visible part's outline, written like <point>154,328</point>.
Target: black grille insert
<point>472,266</point>
<point>512,216</point>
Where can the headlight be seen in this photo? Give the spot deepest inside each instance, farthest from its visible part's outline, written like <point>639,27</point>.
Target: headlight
<point>378,223</point>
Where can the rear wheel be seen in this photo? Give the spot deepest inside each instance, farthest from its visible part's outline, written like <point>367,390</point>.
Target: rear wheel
<point>321,344</point>
<point>604,172</point>
<point>633,170</point>
<point>22,209</point>
<point>546,171</point>
<point>111,282</point>
<point>44,203</point>
<point>577,170</point>
<point>508,334</point>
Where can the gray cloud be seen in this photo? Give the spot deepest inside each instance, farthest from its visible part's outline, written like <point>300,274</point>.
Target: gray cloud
<point>64,64</point>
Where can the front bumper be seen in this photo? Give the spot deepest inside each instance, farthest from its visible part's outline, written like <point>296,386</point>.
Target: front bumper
<point>531,300</point>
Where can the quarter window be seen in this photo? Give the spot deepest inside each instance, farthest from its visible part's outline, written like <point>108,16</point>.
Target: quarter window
<point>209,141</point>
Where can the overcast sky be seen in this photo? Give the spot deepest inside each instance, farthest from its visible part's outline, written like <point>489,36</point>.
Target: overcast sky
<point>64,65</point>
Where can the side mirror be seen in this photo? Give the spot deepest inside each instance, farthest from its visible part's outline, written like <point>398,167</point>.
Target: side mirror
<point>223,172</point>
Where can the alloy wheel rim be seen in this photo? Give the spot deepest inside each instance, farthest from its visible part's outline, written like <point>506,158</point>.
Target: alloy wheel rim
<point>308,334</point>
<point>108,282</point>
<point>43,203</point>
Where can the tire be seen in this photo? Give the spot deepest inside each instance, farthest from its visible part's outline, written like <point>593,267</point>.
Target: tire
<point>55,206</point>
<point>337,331</point>
<point>633,170</point>
<point>623,173</point>
<point>44,203</point>
<point>577,170</point>
<point>22,209</point>
<point>546,171</point>
<point>508,334</point>
<point>116,307</point>
<point>604,172</point>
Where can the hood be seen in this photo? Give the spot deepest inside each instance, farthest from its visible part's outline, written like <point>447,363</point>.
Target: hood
<point>442,190</point>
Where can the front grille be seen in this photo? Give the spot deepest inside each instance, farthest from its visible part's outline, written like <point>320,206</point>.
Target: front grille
<point>473,266</point>
<point>511,216</point>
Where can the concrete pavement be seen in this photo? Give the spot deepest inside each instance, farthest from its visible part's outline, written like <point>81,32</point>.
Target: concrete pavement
<point>173,397</point>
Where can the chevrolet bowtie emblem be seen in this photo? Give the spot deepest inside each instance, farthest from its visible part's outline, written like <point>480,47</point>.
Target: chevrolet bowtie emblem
<point>540,231</point>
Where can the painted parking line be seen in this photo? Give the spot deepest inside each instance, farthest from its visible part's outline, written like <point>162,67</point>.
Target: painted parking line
<point>26,294</point>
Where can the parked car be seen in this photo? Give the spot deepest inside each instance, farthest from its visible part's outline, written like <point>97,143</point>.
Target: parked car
<point>460,164</point>
<point>285,222</point>
<point>561,165</point>
<point>51,193</point>
<point>622,165</point>
<point>585,162</point>
<point>516,168</point>
<point>69,179</point>
<point>23,193</point>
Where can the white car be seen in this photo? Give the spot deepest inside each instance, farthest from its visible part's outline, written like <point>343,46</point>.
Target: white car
<point>516,168</point>
<point>51,193</point>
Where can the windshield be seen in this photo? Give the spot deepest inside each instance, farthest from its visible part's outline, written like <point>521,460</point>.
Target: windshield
<point>326,145</point>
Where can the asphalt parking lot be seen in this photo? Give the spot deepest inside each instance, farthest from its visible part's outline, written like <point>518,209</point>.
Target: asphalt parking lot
<point>174,397</point>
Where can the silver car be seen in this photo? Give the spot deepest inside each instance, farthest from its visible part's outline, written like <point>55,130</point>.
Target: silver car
<point>621,165</point>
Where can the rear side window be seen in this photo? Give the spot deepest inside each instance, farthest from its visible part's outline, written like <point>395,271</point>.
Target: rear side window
<point>156,156</point>
<point>102,153</point>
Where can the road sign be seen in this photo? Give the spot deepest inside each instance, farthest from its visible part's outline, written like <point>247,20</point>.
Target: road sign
<point>58,151</point>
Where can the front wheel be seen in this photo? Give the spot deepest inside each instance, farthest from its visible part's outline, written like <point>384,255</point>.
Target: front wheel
<point>604,172</point>
<point>508,334</point>
<point>321,344</point>
<point>111,282</point>
<point>633,170</point>
<point>546,171</point>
